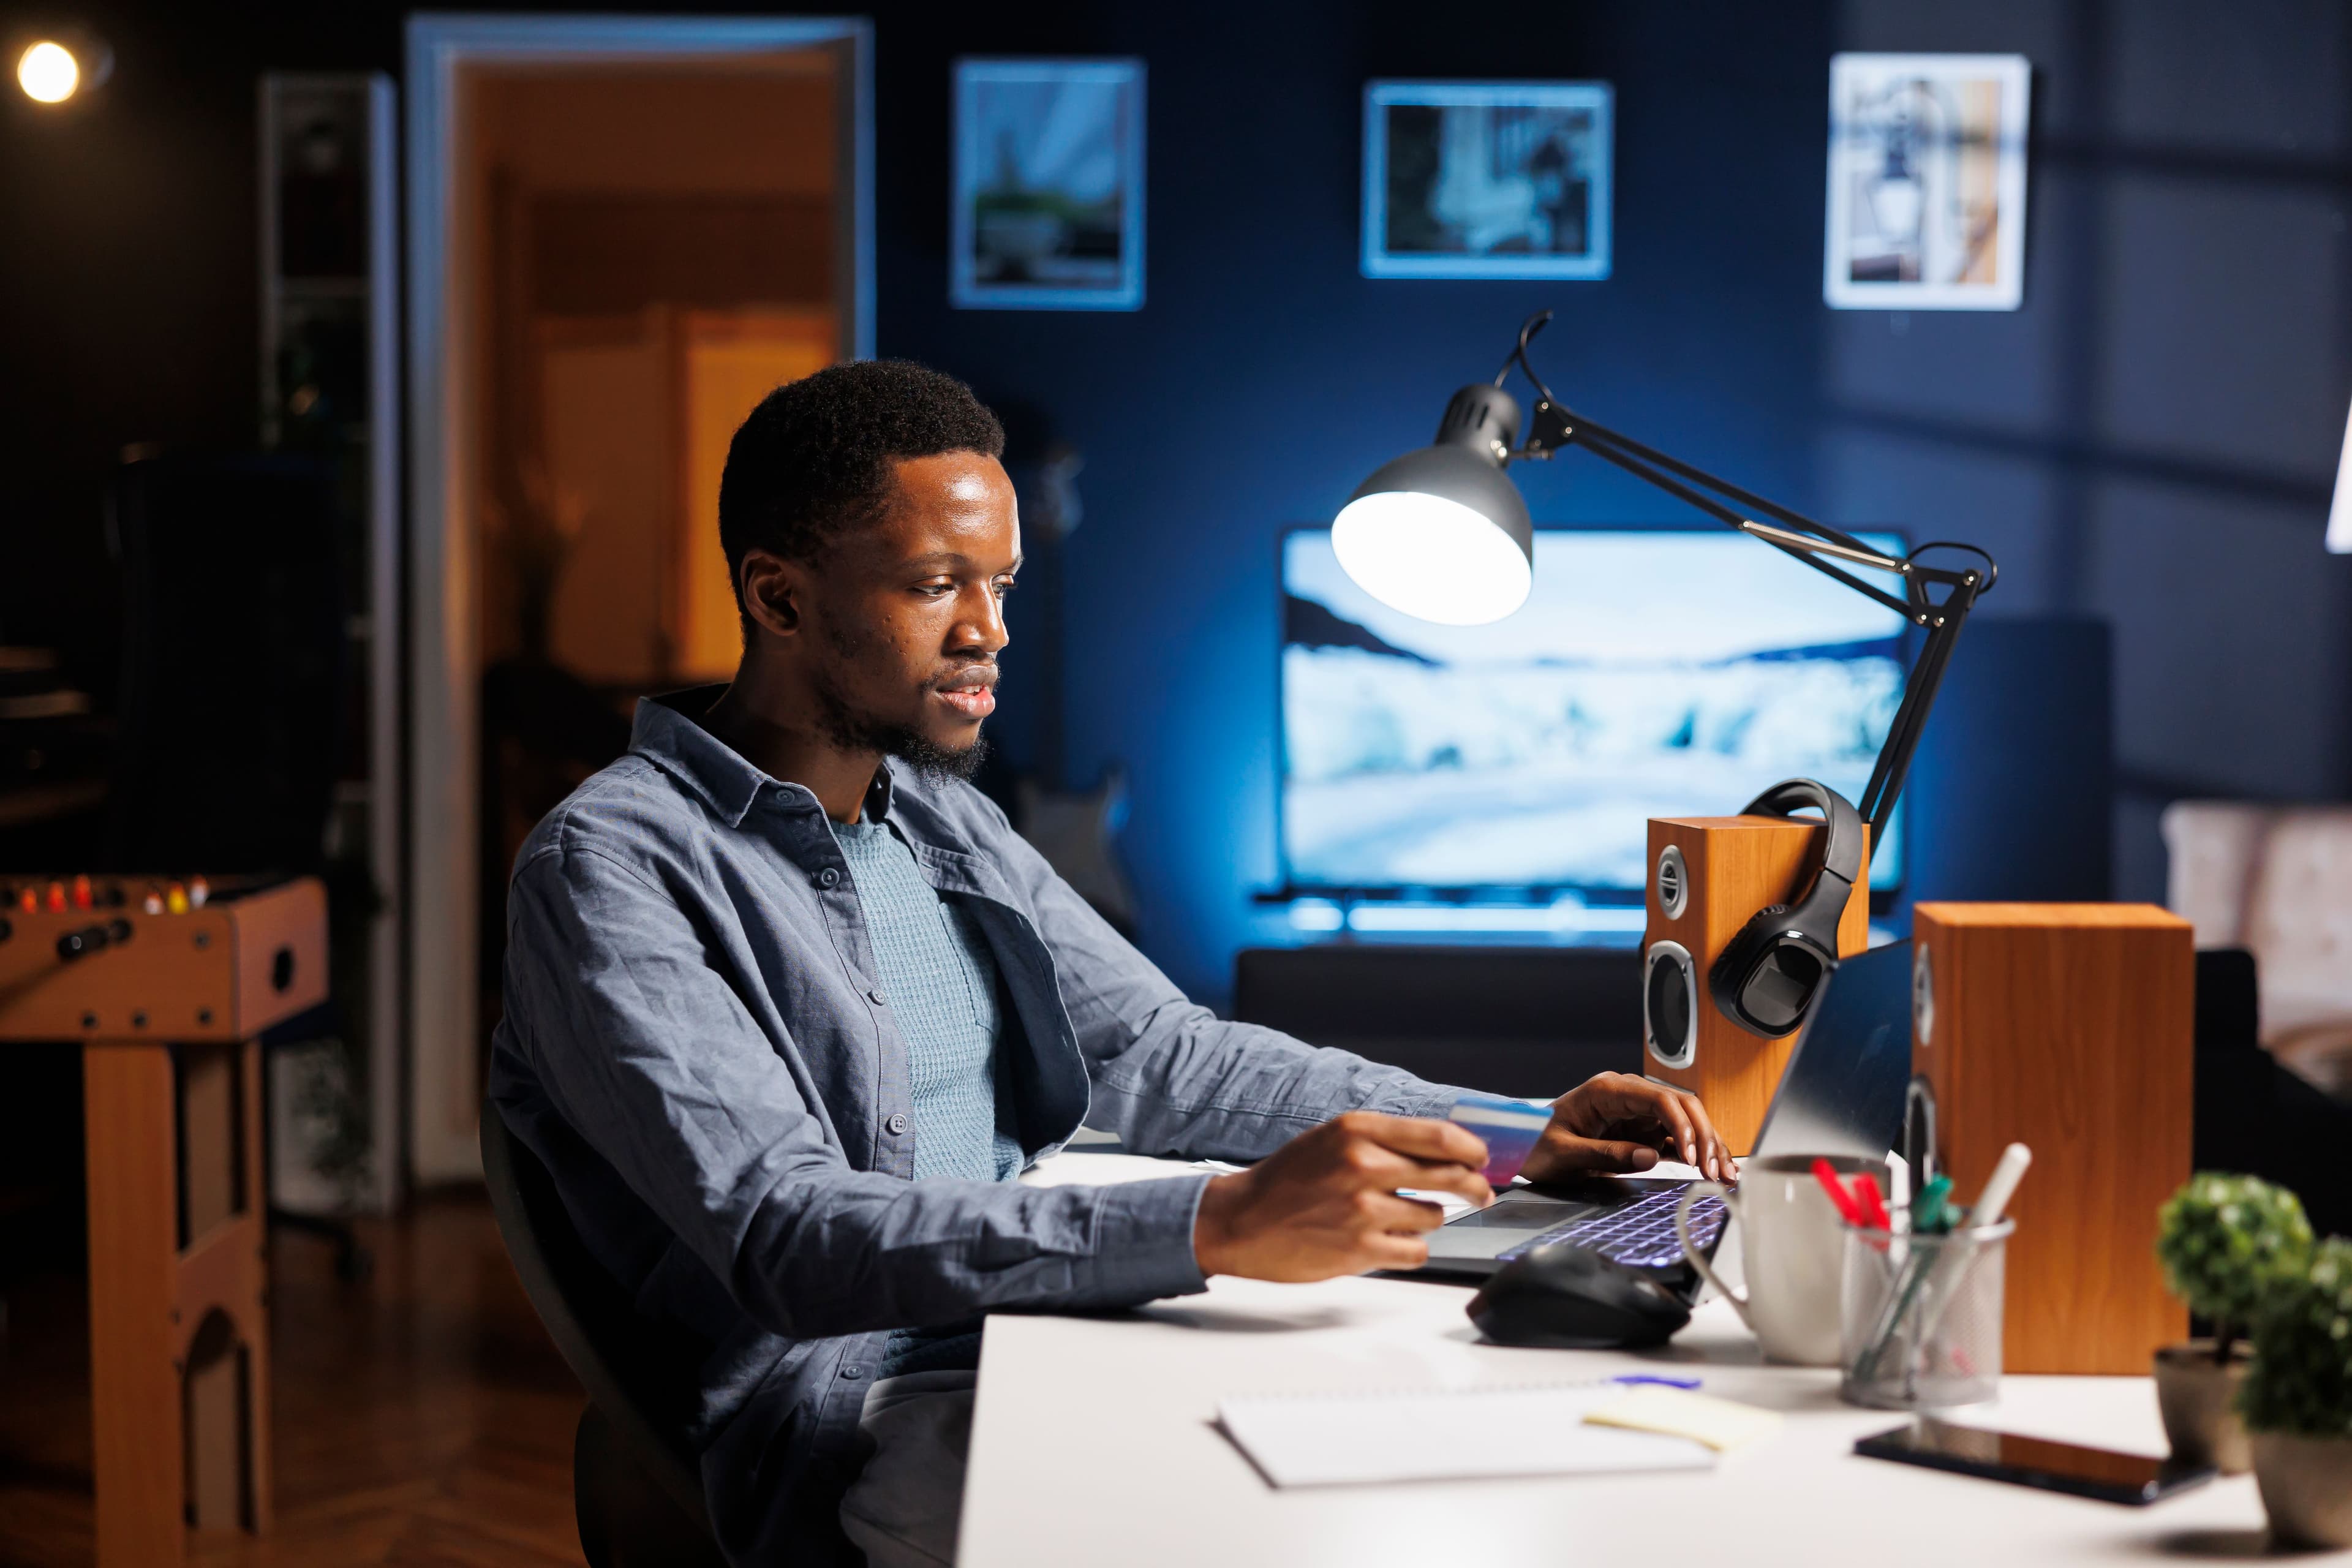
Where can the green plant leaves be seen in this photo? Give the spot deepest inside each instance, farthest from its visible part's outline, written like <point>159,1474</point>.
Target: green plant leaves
<point>2228,1242</point>
<point>2301,1380</point>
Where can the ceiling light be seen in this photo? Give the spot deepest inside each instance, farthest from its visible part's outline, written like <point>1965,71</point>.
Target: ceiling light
<point>52,71</point>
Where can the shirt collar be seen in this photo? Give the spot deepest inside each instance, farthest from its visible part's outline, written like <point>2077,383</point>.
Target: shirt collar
<point>667,731</point>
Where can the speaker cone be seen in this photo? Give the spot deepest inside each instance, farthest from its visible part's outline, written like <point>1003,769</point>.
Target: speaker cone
<point>1670,1005</point>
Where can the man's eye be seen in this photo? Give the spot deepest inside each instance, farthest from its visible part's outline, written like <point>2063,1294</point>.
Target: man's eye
<point>1004,585</point>
<point>935,590</point>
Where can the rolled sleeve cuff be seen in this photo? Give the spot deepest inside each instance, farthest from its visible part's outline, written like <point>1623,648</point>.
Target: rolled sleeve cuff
<point>1143,1240</point>
<point>1431,1101</point>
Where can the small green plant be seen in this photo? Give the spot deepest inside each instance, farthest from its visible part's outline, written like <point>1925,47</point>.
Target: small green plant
<point>2301,1380</point>
<point>2226,1243</point>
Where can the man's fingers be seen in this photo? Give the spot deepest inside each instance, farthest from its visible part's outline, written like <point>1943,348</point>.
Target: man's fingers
<point>1607,1154</point>
<point>1376,1169</point>
<point>1719,1152</point>
<point>1459,1180</point>
<point>1713,1158</point>
<point>1402,1252</point>
<point>1678,1114</point>
<point>1423,1137</point>
<point>1685,1138</point>
<point>1391,1213</point>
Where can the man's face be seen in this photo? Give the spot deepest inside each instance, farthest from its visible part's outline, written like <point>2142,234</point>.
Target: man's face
<point>906,618</point>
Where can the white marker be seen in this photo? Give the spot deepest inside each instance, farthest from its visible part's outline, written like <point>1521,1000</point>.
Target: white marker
<point>1994,1200</point>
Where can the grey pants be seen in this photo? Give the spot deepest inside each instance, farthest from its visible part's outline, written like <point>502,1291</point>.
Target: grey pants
<point>903,1509</point>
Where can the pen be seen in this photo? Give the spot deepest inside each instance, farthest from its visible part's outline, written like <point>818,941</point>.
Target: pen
<point>1633,1377</point>
<point>1825,1173</point>
<point>1874,1203</point>
<point>1931,1214</point>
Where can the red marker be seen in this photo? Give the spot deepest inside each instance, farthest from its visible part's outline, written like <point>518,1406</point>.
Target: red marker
<point>1874,1205</point>
<point>1825,1173</point>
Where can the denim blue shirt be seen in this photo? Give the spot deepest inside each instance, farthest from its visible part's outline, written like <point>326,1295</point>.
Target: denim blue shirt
<point>697,1045</point>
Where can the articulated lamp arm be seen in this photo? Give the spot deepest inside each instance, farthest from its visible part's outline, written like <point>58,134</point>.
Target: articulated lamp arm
<point>1553,427</point>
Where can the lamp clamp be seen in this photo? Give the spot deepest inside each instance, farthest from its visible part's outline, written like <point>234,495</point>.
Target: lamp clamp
<point>1548,432</point>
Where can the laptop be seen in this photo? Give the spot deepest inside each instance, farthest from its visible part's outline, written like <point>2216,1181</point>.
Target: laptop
<point>1841,1094</point>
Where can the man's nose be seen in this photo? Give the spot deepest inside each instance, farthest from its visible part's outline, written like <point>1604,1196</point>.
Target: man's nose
<point>980,628</point>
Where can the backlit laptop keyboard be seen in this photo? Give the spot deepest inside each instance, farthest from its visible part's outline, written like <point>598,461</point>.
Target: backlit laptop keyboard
<point>1641,1233</point>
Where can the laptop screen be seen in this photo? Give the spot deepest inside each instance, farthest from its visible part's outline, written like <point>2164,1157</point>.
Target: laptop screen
<point>1842,1092</point>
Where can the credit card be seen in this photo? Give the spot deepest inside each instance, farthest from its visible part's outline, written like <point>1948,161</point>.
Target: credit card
<point>1510,1128</point>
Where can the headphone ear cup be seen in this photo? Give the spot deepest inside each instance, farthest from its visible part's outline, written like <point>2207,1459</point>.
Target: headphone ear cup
<point>1727,975</point>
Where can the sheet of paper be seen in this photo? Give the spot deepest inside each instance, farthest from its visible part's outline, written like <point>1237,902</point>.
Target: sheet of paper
<point>1342,1440</point>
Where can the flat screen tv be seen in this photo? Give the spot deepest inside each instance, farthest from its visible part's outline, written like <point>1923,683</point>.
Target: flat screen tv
<point>1650,673</point>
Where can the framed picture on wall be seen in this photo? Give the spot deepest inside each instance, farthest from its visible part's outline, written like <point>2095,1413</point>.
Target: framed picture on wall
<point>1486,179</point>
<point>1048,186</point>
<point>1927,182</point>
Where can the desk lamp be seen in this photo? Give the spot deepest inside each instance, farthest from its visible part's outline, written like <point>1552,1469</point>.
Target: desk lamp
<point>1443,534</point>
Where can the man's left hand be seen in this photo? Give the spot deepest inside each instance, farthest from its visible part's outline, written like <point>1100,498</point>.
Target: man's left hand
<point>1620,1123</point>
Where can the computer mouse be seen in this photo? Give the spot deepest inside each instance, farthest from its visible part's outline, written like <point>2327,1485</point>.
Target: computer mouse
<point>1564,1297</point>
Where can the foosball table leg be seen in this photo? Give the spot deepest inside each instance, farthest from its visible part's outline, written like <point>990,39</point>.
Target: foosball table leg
<point>179,1338</point>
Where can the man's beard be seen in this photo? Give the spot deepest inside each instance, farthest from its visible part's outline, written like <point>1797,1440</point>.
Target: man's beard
<point>846,727</point>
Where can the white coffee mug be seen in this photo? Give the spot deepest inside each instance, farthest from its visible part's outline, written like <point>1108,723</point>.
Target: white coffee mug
<point>1791,1239</point>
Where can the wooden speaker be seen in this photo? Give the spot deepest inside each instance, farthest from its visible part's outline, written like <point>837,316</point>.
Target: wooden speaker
<point>2068,1028</point>
<point>1708,876</point>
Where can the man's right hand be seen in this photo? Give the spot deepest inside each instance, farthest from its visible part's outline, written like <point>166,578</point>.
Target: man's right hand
<point>1326,1202</point>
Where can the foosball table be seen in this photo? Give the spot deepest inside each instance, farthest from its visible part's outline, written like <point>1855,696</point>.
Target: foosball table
<point>167,984</point>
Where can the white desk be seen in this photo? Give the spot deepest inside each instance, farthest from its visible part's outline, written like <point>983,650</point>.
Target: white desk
<point>1095,1443</point>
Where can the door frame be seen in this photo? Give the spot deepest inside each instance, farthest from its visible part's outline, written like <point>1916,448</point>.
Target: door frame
<point>444,662</point>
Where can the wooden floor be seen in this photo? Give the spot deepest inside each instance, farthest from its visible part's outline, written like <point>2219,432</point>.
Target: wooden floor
<point>422,1418</point>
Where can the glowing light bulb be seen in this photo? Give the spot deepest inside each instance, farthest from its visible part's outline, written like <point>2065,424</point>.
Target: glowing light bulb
<point>1432,558</point>
<point>49,73</point>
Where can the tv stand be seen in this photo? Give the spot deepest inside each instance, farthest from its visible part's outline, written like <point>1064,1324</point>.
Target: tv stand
<point>1519,1020</point>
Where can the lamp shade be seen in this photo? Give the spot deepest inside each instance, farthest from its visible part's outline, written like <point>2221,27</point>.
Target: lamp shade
<point>1442,533</point>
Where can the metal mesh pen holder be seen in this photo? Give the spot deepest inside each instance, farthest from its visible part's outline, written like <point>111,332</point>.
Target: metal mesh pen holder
<point>1921,1317</point>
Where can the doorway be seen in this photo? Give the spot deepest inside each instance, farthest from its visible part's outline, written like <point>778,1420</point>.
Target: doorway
<point>623,233</point>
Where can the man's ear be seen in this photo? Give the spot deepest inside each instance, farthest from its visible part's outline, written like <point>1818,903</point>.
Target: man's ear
<point>773,591</point>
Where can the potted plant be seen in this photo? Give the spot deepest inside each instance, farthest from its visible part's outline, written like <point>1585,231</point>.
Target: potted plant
<point>2297,1401</point>
<point>2226,1242</point>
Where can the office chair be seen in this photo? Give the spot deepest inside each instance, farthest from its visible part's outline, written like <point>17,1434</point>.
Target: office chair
<point>635,1492</point>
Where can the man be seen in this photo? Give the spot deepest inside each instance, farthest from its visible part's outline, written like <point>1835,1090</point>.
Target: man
<point>785,1018</point>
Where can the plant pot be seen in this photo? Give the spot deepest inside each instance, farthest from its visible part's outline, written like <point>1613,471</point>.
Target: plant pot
<point>2306,1486</point>
<point>2198,1399</point>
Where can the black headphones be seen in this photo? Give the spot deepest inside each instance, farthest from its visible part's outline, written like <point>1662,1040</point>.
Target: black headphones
<point>1768,974</point>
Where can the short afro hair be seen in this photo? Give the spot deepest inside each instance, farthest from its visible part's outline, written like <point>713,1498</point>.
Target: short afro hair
<point>813,461</point>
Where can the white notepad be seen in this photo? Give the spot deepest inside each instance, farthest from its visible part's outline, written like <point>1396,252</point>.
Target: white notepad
<point>1340,1439</point>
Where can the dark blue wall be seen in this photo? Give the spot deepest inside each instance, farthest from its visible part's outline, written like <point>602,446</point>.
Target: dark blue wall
<point>2153,437</point>
<point>1264,377</point>
<point>2150,439</point>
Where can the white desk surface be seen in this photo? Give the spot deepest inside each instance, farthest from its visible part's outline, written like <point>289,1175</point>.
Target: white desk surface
<point>1095,1443</point>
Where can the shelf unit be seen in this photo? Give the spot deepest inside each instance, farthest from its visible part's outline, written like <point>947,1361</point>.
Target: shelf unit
<point>330,385</point>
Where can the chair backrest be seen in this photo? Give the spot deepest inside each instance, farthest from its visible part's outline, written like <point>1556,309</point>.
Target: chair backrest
<point>585,1313</point>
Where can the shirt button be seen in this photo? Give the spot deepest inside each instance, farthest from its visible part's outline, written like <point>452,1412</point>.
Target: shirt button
<point>829,876</point>
<point>876,998</point>
<point>852,1372</point>
<point>897,1122</point>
